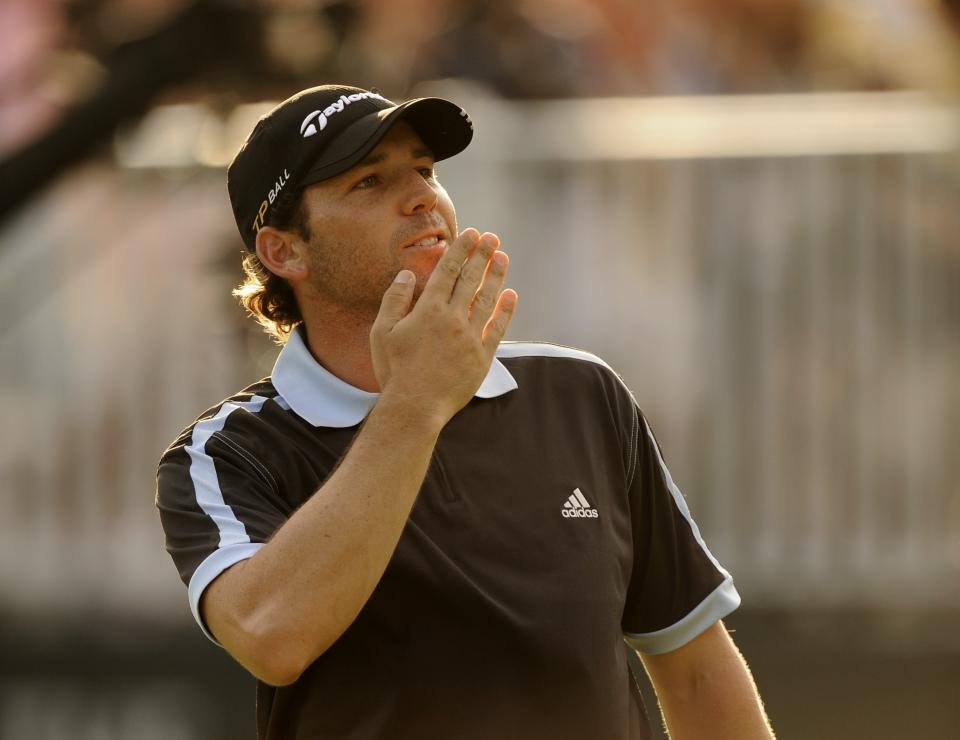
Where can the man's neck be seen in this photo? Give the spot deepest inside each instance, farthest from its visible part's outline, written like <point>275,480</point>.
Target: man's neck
<point>342,345</point>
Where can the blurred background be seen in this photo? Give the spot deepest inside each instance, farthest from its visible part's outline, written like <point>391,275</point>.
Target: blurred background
<point>750,208</point>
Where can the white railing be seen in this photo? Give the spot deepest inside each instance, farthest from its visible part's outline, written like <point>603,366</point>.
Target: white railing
<point>783,301</point>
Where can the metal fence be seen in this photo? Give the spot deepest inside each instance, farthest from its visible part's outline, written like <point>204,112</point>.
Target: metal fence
<point>778,282</point>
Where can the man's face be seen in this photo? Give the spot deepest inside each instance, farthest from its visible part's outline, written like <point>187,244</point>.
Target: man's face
<point>381,216</point>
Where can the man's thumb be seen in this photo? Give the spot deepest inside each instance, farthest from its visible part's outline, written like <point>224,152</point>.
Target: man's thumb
<point>396,301</point>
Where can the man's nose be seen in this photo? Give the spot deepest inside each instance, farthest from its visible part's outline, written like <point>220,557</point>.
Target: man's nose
<point>419,195</point>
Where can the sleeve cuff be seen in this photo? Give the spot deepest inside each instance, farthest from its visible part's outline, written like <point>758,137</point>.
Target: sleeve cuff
<point>217,562</point>
<point>718,604</point>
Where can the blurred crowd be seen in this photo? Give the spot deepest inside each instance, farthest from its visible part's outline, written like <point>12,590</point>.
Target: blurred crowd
<point>573,48</point>
<point>54,52</point>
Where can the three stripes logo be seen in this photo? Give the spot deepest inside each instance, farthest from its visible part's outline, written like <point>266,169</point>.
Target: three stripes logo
<point>577,507</point>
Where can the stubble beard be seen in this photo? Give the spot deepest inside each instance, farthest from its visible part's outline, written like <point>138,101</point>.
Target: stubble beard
<point>355,288</point>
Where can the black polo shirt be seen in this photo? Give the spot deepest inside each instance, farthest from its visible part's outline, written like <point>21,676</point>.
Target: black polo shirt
<point>547,531</point>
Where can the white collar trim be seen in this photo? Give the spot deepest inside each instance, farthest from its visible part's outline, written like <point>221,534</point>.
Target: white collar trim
<point>325,400</point>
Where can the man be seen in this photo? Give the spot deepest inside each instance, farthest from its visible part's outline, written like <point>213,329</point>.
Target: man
<point>411,530</point>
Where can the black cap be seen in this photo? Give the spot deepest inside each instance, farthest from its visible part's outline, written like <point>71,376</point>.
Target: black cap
<point>323,131</point>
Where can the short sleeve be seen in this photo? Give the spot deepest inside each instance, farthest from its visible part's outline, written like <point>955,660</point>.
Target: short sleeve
<point>677,588</point>
<point>218,504</point>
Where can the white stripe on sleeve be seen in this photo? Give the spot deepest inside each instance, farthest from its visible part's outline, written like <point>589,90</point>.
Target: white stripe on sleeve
<point>682,503</point>
<point>235,544</point>
<point>204,473</point>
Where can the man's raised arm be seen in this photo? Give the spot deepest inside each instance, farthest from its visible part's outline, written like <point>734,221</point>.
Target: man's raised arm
<point>281,609</point>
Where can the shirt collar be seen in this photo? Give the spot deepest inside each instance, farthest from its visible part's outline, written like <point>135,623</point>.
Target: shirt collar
<point>325,400</point>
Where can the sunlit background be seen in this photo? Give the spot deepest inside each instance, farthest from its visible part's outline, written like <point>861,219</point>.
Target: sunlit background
<point>750,208</point>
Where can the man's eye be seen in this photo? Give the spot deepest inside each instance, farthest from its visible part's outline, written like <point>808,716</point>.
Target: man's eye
<point>368,182</point>
<point>428,173</point>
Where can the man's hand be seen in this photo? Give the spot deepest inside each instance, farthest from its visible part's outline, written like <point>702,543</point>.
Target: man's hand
<point>439,353</point>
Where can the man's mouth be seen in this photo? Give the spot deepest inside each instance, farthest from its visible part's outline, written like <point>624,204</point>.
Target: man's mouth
<point>429,241</point>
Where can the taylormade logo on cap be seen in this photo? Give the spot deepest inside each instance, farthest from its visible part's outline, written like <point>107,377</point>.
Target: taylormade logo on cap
<point>317,120</point>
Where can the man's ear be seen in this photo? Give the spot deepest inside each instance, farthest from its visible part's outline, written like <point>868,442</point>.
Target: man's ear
<point>282,252</point>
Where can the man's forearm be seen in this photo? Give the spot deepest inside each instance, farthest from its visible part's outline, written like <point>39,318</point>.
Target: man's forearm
<point>281,609</point>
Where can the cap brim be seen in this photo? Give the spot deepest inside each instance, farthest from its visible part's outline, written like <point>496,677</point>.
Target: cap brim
<point>444,128</point>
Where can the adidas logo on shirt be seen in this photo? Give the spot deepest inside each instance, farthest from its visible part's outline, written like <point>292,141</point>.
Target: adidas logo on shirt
<point>576,507</point>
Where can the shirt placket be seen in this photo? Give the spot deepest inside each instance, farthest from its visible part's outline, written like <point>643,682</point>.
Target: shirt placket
<point>449,493</point>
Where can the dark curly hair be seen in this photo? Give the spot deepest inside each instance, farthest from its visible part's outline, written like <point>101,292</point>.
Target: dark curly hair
<point>267,297</point>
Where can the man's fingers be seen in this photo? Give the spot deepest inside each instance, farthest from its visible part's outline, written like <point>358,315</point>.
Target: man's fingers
<point>486,297</point>
<point>473,271</point>
<point>500,320</point>
<point>396,301</point>
<point>445,275</point>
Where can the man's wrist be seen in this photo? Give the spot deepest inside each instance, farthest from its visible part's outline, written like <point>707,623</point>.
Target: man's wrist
<point>414,413</point>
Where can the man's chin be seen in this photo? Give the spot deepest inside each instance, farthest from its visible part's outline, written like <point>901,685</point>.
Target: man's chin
<point>423,268</point>
<point>418,289</point>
